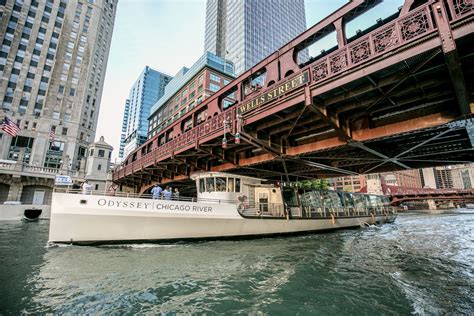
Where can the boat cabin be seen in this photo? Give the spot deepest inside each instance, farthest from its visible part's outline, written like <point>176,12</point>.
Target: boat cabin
<point>245,191</point>
<point>265,198</point>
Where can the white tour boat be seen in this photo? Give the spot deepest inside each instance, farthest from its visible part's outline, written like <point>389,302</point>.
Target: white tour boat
<point>225,206</point>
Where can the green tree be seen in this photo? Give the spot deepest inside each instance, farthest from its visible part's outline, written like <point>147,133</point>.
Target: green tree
<point>321,184</point>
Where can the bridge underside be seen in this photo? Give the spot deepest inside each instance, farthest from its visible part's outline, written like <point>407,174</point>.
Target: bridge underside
<point>406,115</point>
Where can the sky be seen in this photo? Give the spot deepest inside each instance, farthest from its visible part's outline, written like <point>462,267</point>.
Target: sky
<point>169,34</point>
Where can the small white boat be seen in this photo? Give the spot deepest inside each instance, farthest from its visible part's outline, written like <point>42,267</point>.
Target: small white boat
<point>225,206</point>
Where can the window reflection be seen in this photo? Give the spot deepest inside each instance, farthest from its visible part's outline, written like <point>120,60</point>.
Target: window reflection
<point>202,186</point>
<point>220,184</point>
<point>210,184</point>
<point>230,184</point>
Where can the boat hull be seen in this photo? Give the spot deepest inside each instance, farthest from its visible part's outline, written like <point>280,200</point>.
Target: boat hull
<point>73,221</point>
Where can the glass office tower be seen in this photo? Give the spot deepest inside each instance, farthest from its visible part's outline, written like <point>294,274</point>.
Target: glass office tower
<point>247,31</point>
<point>149,87</point>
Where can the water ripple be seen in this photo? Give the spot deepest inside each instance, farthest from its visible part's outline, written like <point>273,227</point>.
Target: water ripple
<point>421,264</point>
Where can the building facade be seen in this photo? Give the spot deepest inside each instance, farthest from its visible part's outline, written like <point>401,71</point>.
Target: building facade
<point>403,178</point>
<point>243,31</point>
<point>52,66</point>
<point>437,177</point>
<point>348,183</point>
<point>123,132</point>
<point>98,164</point>
<point>189,88</point>
<point>147,89</point>
<point>463,176</point>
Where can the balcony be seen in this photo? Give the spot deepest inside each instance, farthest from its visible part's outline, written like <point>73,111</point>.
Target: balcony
<point>22,169</point>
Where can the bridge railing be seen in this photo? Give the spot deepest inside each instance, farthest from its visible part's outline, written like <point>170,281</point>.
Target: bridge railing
<point>405,29</point>
<point>179,143</point>
<point>459,8</point>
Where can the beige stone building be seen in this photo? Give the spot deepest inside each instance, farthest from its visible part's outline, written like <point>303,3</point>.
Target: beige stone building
<point>463,176</point>
<point>403,178</point>
<point>52,65</point>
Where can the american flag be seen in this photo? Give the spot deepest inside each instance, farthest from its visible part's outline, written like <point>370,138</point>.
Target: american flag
<point>9,127</point>
<point>52,135</point>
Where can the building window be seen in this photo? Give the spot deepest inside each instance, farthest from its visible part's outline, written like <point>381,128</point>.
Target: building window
<point>99,167</point>
<point>92,152</point>
<point>19,142</point>
<point>54,155</point>
<point>64,131</point>
<point>215,78</point>
<point>101,153</point>
<point>214,87</point>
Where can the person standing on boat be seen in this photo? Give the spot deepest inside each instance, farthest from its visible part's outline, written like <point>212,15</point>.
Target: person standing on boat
<point>176,194</point>
<point>86,188</point>
<point>167,193</point>
<point>156,192</point>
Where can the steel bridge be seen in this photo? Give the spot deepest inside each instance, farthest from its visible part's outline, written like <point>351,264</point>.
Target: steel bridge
<point>398,194</point>
<point>396,96</point>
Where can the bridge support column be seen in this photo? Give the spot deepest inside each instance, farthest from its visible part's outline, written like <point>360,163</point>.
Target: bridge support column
<point>452,59</point>
<point>431,205</point>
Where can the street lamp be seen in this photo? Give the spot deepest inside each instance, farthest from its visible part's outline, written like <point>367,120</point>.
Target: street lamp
<point>224,139</point>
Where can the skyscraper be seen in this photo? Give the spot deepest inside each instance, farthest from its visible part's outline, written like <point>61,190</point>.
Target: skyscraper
<point>52,66</point>
<point>244,32</point>
<point>124,129</point>
<point>147,89</point>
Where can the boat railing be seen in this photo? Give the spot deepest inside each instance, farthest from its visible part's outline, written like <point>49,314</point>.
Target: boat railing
<point>265,210</point>
<point>174,197</point>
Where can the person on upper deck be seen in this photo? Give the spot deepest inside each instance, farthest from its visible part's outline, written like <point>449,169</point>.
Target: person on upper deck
<point>167,193</point>
<point>156,192</point>
<point>176,194</point>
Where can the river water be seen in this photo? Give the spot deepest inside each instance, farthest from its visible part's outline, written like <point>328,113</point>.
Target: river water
<point>421,264</point>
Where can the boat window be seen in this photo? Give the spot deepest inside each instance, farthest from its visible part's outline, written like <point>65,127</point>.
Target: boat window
<point>230,184</point>
<point>326,199</point>
<point>348,199</point>
<point>367,201</point>
<point>289,197</point>
<point>237,185</point>
<point>376,201</point>
<point>310,199</point>
<point>202,186</point>
<point>220,184</point>
<point>331,199</point>
<point>210,184</point>
<point>359,201</point>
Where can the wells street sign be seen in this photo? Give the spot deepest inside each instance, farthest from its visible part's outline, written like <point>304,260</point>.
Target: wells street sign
<point>273,94</point>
